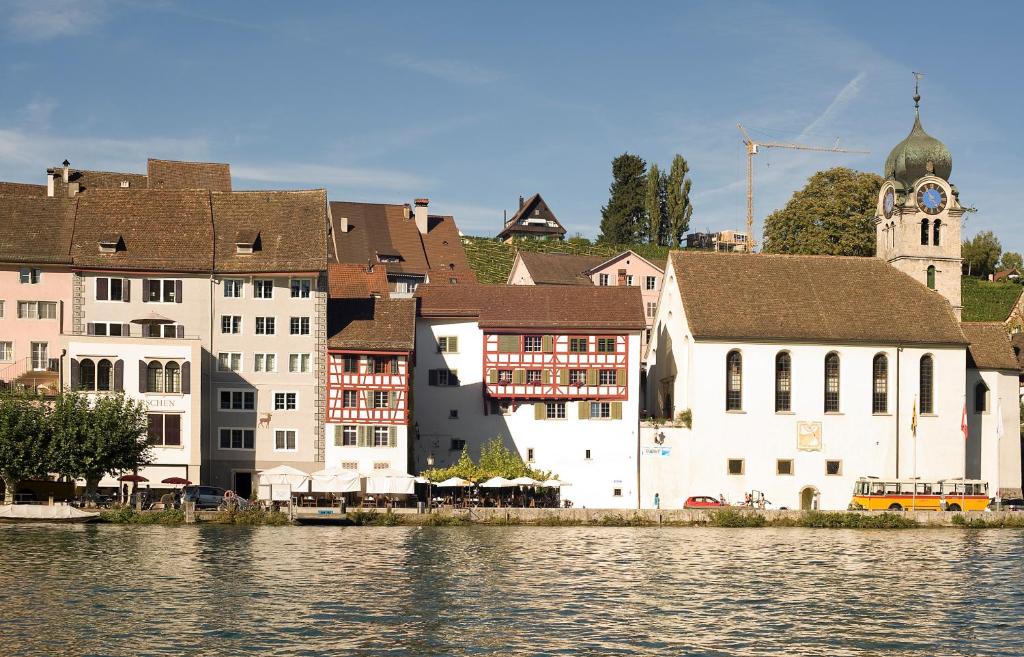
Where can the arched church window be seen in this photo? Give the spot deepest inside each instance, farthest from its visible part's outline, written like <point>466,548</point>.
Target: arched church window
<point>927,384</point>
<point>924,232</point>
<point>880,387</point>
<point>832,383</point>
<point>935,231</point>
<point>980,397</point>
<point>783,382</point>
<point>931,277</point>
<point>734,381</point>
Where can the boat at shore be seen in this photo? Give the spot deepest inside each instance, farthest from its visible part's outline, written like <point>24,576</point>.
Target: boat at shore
<point>61,513</point>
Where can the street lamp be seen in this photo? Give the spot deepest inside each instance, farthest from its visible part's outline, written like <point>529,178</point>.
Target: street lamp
<point>430,465</point>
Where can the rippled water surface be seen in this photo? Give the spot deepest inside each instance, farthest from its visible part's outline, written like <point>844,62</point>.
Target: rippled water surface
<point>115,590</point>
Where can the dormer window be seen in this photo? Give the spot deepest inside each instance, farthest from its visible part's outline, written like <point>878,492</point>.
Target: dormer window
<point>388,257</point>
<point>110,243</point>
<point>247,242</point>
<point>125,184</point>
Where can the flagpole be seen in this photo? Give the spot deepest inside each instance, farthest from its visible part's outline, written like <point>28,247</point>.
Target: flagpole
<point>914,432</point>
<point>963,490</point>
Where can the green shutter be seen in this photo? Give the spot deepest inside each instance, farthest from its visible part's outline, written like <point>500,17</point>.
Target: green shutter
<point>492,376</point>
<point>361,435</point>
<point>563,377</point>
<point>508,343</point>
<point>584,410</point>
<point>338,435</point>
<point>620,377</point>
<point>394,364</point>
<point>592,377</point>
<point>547,343</point>
<point>393,436</point>
<point>617,410</point>
<point>519,376</point>
<point>393,399</point>
<point>453,345</point>
<point>545,376</point>
<point>540,411</point>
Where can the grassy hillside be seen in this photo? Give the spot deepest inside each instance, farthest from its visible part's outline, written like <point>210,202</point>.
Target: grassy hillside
<point>987,301</point>
<point>492,260</point>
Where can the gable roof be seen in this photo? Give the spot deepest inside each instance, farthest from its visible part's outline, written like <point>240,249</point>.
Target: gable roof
<point>536,306</point>
<point>291,228</point>
<point>372,324</point>
<point>36,229</point>
<point>351,281</point>
<point>515,225</point>
<point>828,299</point>
<point>625,254</point>
<point>378,229</point>
<point>990,348</point>
<point>559,268</point>
<point>21,189</point>
<point>90,180</point>
<point>443,248</point>
<point>170,174</point>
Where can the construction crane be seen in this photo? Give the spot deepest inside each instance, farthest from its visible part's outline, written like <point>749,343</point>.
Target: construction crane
<point>752,147</point>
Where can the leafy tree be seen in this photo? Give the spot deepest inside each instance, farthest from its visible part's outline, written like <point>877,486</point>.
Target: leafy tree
<point>832,215</point>
<point>1011,260</point>
<point>578,240</point>
<point>23,441</point>
<point>678,208</point>
<point>981,253</point>
<point>622,220</point>
<point>654,204</point>
<point>496,460</point>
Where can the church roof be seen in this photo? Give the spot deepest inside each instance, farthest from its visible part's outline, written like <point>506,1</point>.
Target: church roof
<point>990,347</point>
<point>822,299</point>
<point>918,155</point>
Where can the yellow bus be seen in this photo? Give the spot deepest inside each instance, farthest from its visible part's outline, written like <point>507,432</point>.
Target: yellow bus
<point>875,494</point>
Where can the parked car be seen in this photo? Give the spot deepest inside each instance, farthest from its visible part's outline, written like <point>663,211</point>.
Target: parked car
<point>701,502</point>
<point>1009,505</point>
<point>205,497</point>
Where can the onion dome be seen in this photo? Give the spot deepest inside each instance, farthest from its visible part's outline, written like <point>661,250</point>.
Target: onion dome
<point>918,155</point>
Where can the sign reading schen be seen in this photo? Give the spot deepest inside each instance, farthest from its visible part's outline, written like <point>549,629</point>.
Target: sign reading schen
<point>657,451</point>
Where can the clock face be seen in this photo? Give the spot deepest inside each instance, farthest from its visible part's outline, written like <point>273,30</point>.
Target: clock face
<point>931,198</point>
<point>888,202</point>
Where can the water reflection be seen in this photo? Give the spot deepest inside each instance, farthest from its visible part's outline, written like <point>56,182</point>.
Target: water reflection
<point>508,591</point>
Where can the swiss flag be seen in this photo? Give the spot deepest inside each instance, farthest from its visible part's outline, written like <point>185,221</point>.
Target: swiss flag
<point>963,421</point>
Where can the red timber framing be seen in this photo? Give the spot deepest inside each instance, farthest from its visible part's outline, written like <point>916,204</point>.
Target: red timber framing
<point>391,378</point>
<point>546,366</point>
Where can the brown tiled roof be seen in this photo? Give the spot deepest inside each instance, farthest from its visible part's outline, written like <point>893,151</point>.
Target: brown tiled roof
<point>372,324</point>
<point>446,256</point>
<point>291,226</point>
<point>377,229</point>
<point>559,268</point>
<point>90,180</point>
<point>1017,344</point>
<point>990,347</point>
<point>350,281</point>
<point>536,306</point>
<point>513,225</point>
<point>36,229</point>
<point>170,174</point>
<point>809,298</point>
<point>21,189</point>
<point>161,230</point>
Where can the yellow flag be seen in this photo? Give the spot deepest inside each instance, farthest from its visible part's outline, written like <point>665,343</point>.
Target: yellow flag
<point>913,419</point>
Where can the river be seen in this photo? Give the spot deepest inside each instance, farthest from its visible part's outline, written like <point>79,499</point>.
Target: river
<point>215,590</point>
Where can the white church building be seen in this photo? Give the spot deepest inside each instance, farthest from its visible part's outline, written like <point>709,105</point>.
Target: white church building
<point>804,373</point>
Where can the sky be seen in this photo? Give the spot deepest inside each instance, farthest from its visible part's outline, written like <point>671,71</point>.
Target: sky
<point>473,104</point>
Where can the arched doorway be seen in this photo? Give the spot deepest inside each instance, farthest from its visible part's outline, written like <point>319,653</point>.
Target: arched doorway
<point>809,499</point>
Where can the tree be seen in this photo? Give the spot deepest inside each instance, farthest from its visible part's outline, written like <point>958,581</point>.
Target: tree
<point>833,214</point>
<point>622,220</point>
<point>654,204</point>
<point>981,253</point>
<point>1011,260</point>
<point>96,438</point>
<point>678,207</point>
<point>23,442</point>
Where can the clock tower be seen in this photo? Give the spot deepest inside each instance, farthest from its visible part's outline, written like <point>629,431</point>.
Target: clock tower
<point>919,214</point>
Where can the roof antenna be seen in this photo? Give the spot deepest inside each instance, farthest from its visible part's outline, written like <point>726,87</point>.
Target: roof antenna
<point>917,94</point>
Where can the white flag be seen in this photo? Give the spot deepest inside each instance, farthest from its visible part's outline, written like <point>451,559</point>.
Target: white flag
<point>999,418</point>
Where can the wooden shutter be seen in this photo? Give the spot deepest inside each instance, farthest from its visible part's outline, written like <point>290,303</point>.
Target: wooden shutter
<point>119,375</point>
<point>519,376</point>
<point>186,378</point>
<point>126,329</point>
<point>620,377</point>
<point>179,331</point>
<point>540,411</point>
<point>432,377</point>
<point>453,344</point>
<point>177,291</point>
<point>361,435</point>
<point>617,410</point>
<point>545,376</point>
<point>547,343</point>
<point>76,373</point>
<point>583,410</point>
<point>142,376</point>
<point>592,377</point>
<point>102,286</point>
<point>563,377</point>
<point>492,376</point>
<point>126,290</point>
<point>339,433</point>
<point>90,328</point>
<point>145,290</point>
<point>508,343</point>
<point>392,436</point>
<point>394,364</point>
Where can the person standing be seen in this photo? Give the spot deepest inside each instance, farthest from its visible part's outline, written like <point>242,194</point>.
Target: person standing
<point>657,501</point>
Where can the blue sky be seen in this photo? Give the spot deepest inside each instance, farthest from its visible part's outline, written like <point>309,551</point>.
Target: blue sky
<point>472,104</point>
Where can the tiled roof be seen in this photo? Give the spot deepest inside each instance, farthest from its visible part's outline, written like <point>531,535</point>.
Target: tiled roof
<point>990,347</point>
<point>536,306</point>
<point>350,281</point>
<point>513,225</point>
<point>36,229</point>
<point>89,180</point>
<point>160,230</point>
<point>1017,344</point>
<point>372,324</point>
<point>377,229</point>
<point>446,256</point>
<point>169,174</point>
<point>291,227</point>
<point>21,189</point>
<point>809,298</point>
<point>559,268</point>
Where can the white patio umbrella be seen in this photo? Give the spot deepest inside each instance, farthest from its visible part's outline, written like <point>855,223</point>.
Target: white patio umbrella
<point>335,480</point>
<point>497,482</point>
<point>390,482</point>
<point>553,483</point>
<point>454,482</point>
<point>284,474</point>
<point>525,481</point>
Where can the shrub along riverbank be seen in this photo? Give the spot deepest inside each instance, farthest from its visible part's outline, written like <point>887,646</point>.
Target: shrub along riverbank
<point>129,516</point>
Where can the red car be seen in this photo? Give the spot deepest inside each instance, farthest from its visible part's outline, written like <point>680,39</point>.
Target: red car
<point>701,502</point>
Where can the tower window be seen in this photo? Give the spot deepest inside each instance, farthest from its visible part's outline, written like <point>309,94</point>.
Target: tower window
<point>931,277</point>
<point>924,232</point>
<point>935,231</point>
<point>832,383</point>
<point>927,384</point>
<point>980,397</point>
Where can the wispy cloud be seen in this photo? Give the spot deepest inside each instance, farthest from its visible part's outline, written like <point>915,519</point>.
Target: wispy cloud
<point>845,96</point>
<point>452,70</point>
<point>329,176</point>
<point>41,20</point>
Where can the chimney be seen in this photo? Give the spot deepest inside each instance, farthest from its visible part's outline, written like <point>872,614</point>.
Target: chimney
<point>67,171</point>
<point>421,214</point>
<point>520,202</point>
<point>406,211</point>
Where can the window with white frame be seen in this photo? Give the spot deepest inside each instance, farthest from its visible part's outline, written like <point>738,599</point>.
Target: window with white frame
<point>447,345</point>
<point>30,276</point>
<point>231,324</point>
<point>652,308</point>
<point>229,361</point>
<point>37,310</point>
<point>533,376</point>
<point>6,350</point>
<point>284,440</point>
<point>301,287</point>
<point>349,398</point>
<point>161,290</point>
<point>380,436</point>
<point>263,289</point>
<point>607,377</point>
<point>579,345</point>
<point>237,400</point>
<point>237,438</point>
<point>286,401</point>
<point>298,362</point>
<point>629,280</point>
<point>577,377</point>
<point>606,345</point>
<point>650,282</point>
<point>348,437</point>
<point>349,364</point>
<point>532,343</point>
<point>265,326</point>
<point>505,376</point>
<point>164,429</point>
<point>600,410</point>
<point>381,398</point>
<point>233,288</point>
<point>602,279</point>
<point>299,326</point>
<point>555,410</point>
<point>108,328</point>
<point>265,363</point>
<point>110,289</point>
